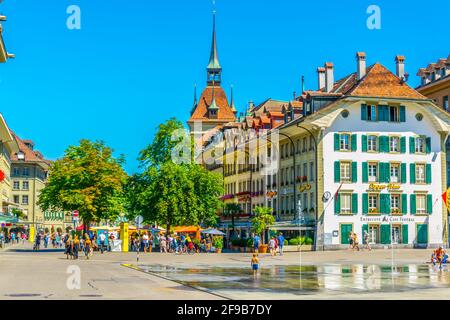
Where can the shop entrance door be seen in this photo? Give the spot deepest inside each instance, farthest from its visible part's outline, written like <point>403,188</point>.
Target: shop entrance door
<point>396,234</point>
<point>374,233</point>
<point>345,233</point>
<point>422,233</point>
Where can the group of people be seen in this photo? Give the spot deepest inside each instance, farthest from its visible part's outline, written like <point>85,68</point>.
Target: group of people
<point>178,244</point>
<point>354,242</point>
<point>276,243</point>
<point>439,257</point>
<point>12,237</point>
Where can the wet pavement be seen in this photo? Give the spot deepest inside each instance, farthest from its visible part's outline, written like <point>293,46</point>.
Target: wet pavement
<point>307,281</point>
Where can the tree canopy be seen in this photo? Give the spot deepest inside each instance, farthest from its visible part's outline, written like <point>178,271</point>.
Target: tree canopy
<point>172,193</point>
<point>88,178</point>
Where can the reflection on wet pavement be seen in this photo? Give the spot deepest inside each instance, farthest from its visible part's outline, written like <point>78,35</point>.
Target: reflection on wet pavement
<point>305,280</point>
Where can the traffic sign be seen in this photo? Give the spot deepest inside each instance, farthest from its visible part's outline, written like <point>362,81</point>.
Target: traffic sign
<point>75,213</point>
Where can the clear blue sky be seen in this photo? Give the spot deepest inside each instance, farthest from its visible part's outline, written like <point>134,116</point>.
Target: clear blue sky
<point>134,63</point>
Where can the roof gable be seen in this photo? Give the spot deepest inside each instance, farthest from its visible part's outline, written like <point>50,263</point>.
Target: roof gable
<point>224,114</point>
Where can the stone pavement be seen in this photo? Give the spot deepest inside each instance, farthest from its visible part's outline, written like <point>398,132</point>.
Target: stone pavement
<point>26,274</point>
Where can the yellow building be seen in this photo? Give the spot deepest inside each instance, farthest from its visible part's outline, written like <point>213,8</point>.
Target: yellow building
<point>29,172</point>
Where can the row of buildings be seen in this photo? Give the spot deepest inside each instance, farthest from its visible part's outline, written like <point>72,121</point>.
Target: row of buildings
<point>23,172</point>
<point>365,153</point>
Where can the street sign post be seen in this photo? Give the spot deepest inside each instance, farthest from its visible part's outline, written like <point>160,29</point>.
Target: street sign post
<point>138,220</point>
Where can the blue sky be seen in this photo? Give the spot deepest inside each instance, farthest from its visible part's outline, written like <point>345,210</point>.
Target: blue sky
<point>134,63</point>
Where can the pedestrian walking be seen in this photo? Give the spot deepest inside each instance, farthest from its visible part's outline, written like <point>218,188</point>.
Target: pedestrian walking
<point>366,241</point>
<point>350,240</point>
<point>145,241</point>
<point>76,247</point>
<point>355,241</point>
<point>255,265</point>
<point>102,239</point>
<point>87,247</point>
<point>69,247</point>
<point>280,243</point>
<point>272,246</point>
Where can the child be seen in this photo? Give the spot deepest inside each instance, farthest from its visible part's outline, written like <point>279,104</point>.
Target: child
<point>255,265</point>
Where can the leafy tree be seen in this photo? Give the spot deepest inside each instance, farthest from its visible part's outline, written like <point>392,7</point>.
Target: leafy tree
<point>18,213</point>
<point>262,220</point>
<point>170,193</point>
<point>232,209</point>
<point>89,179</point>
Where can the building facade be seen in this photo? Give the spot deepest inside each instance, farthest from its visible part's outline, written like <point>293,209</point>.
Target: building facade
<point>435,84</point>
<point>29,172</point>
<point>366,155</point>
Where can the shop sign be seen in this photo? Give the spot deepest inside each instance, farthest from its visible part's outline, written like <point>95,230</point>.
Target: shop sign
<point>379,187</point>
<point>304,187</point>
<point>387,219</point>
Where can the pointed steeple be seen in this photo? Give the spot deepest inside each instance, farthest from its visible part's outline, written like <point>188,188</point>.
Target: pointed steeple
<point>195,99</point>
<point>214,70</point>
<point>233,108</point>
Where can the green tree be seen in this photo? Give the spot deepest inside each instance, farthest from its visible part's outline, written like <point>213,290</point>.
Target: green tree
<point>232,210</point>
<point>171,193</point>
<point>262,220</point>
<point>18,213</point>
<point>88,178</point>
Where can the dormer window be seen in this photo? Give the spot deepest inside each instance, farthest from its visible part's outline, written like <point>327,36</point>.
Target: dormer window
<point>20,155</point>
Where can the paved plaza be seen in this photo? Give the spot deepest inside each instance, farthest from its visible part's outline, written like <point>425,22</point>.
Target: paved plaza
<point>25,274</point>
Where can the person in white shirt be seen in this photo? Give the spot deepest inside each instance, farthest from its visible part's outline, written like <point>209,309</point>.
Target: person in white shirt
<point>102,239</point>
<point>145,241</point>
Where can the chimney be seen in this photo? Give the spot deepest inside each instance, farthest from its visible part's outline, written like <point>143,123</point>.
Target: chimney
<point>361,64</point>
<point>329,76</point>
<point>321,77</point>
<point>400,66</point>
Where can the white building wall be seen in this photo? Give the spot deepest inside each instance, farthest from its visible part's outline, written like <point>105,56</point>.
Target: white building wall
<point>411,127</point>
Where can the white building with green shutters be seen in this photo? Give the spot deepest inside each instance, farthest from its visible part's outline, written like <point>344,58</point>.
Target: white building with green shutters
<point>380,159</point>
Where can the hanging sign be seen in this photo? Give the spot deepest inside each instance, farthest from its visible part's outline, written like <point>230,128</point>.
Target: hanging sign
<point>379,187</point>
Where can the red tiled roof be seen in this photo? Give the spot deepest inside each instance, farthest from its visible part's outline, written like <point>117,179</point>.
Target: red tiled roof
<point>225,114</point>
<point>380,82</point>
<point>30,155</point>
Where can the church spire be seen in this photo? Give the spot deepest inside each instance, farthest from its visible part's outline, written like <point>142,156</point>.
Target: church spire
<point>214,70</point>
<point>233,108</point>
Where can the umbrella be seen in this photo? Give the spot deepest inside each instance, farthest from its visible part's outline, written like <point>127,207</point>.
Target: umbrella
<point>213,232</point>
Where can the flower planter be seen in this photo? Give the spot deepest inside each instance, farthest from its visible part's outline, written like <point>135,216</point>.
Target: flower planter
<point>218,250</point>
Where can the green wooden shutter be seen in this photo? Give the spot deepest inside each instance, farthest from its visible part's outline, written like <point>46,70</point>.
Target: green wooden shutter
<point>354,172</point>
<point>363,112</point>
<point>412,204</point>
<point>337,146</point>
<point>428,145</point>
<point>384,144</point>
<point>402,114</point>
<point>381,174</point>
<point>365,203</point>
<point>355,203</point>
<point>337,204</point>
<point>337,171</point>
<point>412,145</point>
<point>403,145</point>
<point>405,234</point>
<point>385,231</point>
<point>364,143</point>
<point>403,172</point>
<point>404,203</point>
<point>365,172</point>
<point>385,203</point>
<point>412,173</point>
<point>354,142</point>
<point>428,173</point>
<point>429,203</point>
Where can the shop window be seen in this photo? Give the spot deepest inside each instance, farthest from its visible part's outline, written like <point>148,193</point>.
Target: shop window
<point>394,144</point>
<point>373,171</point>
<point>374,203</point>
<point>421,203</point>
<point>344,142</point>
<point>420,173</point>
<point>395,204</point>
<point>372,143</point>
